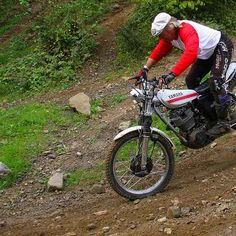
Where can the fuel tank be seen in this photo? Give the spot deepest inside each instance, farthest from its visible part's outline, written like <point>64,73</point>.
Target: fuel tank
<point>176,98</point>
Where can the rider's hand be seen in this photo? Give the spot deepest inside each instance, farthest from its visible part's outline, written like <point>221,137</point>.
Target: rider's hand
<point>142,74</point>
<point>168,78</point>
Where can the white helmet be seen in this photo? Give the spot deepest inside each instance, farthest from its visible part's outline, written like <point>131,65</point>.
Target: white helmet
<point>159,23</point>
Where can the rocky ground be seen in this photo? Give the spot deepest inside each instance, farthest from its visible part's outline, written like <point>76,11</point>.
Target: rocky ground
<point>200,199</point>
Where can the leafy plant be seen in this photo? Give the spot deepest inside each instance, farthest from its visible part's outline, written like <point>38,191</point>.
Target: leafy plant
<point>117,98</point>
<point>57,44</point>
<point>96,106</point>
<point>24,2</point>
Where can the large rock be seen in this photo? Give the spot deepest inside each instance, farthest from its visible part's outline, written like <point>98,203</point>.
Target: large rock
<point>55,182</point>
<point>81,102</point>
<point>4,170</point>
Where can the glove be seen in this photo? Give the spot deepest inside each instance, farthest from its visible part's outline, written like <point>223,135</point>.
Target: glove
<point>142,74</point>
<point>168,78</point>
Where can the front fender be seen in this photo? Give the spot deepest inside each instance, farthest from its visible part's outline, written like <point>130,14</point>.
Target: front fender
<point>139,128</point>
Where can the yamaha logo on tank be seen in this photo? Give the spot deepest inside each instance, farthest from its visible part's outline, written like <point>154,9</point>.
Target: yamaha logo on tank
<point>175,95</point>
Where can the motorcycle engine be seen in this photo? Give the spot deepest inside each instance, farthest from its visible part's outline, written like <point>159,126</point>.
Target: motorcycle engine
<point>191,127</point>
<point>183,118</point>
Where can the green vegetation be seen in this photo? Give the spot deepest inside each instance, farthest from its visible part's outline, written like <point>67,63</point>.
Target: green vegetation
<point>53,48</point>
<point>86,176</point>
<point>96,107</point>
<point>23,136</point>
<point>11,22</point>
<point>11,14</point>
<point>118,98</point>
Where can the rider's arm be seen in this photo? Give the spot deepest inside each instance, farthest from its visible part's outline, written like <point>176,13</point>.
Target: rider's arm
<point>190,39</point>
<point>161,50</point>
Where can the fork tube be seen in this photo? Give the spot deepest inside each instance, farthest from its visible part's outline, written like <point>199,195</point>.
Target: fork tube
<point>144,152</point>
<point>147,122</point>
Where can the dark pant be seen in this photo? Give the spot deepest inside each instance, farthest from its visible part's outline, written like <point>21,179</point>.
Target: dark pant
<point>217,65</point>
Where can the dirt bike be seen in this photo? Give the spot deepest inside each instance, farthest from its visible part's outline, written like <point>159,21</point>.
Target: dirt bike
<point>140,161</point>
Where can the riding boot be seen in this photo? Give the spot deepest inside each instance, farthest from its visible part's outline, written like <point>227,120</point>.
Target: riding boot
<point>222,126</point>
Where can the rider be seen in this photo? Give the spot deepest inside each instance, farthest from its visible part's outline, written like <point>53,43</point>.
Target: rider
<point>206,49</point>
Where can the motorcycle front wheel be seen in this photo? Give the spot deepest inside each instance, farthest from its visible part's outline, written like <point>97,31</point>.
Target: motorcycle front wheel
<point>123,166</point>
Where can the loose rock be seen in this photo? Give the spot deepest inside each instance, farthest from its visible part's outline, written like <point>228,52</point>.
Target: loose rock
<point>55,182</point>
<point>116,6</point>
<point>4,170</point>
<point>161,220</point>
<point>91,226</point>
<point>133,226</point>
<point>100,213</point>
<point>213,145</point>
<point>98,189</point>
<point>2,223</point>
<point>124,125</point>
<point>70,234</point>
<point>52,155</point>
<point>185,211</point>
<point>81,102</point>
<point>175,202</point>
<point>234,189</point>
<point>168,230</point>
<point>182,153</point>
<point>223,207</point>
<point>150,217</point>
<point>79,154</point>
<point>137,201</point>
<point>105,229</point>
<point>173,212</point>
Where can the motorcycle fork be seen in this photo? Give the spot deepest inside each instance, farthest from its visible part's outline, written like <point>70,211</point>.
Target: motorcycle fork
<point>146,122</point>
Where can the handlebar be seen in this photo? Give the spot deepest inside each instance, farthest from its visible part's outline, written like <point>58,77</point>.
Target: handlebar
<point>156,82</point>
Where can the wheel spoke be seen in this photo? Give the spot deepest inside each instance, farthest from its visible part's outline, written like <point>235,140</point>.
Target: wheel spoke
<point>127,166</point>
<point>139,180</point>
<point>127,183</point>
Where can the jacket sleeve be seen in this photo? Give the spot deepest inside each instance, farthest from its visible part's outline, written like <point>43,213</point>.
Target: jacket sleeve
<point>161,50</point>
<point>190,39</point>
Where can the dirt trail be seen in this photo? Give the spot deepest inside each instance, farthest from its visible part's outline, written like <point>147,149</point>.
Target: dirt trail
<point>204,180</point>
<point>35,11</point>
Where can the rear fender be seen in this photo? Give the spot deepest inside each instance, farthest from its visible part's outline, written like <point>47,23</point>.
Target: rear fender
<point>139,129</point>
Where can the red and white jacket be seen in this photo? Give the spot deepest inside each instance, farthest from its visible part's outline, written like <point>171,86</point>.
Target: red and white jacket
<point>196,40</point>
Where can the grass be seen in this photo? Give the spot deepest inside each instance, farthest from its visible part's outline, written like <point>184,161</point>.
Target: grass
<point>11,14</point>
<point>14,20</point>
<point>86,176</point>
<point>96,107</point>
<point>16,47</point>
<point>45,56</point>
<point>23,137</point>
<point>117,98</point>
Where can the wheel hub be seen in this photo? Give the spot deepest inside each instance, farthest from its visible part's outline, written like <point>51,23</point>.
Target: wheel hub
<point>135,166</point>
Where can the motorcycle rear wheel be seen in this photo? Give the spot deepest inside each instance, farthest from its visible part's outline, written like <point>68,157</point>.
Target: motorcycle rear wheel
<point>121,175</point>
